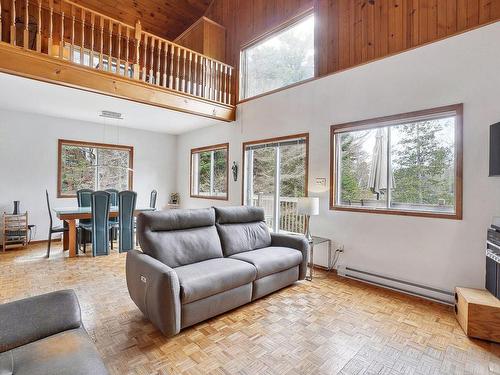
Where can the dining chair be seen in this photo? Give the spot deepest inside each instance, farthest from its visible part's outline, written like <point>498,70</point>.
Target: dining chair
<point>152,199</point>
<point>99,226</point>
<point>52,228</point>
<point>126,207</point>
<point>83,197</point>
<point>113,221</point>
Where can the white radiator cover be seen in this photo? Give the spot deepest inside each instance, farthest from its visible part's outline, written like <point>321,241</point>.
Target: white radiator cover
<point>403,286</point>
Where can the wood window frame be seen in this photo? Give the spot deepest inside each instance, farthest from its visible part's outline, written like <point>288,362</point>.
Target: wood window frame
<point>62,142</point>
<point>376,123</point>
<point>302,14</point>
<point>220,146</point>
<point>273,140</point>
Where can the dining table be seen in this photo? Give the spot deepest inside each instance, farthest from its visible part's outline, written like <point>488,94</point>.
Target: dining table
<point>71,214</point>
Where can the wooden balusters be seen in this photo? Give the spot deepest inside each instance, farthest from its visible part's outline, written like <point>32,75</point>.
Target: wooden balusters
<point>195,82</point>
<point>39,28</point>
<point>26,32</point>
<point>183,86</point>
<point>119,50</point>
<point>50,41</point>
<point>101,43</point>
<point>13,23</point>
<point>72,45</point>
<point>171,78</point>
<point>110,46</point>
<point>82,40</point>
<point>152,61</point>
<point>165,64</point>
<point>61,42</point>
<point>144,68</point>
<point>224,86</point>
<point>127,54</point>
<point>178,71</point>
<point>158,63</point>
<point>92,39</point>
<point>230,85</point>
<point>190,76</point>
<point>137,38</point>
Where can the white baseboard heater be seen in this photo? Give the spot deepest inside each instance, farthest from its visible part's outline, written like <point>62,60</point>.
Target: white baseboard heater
<point>408,287</point>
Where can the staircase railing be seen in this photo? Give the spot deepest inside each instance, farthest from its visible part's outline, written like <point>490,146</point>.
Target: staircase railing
<point>65,30</point>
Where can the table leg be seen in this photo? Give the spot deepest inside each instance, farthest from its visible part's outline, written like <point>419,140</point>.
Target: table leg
<point>72,238</point>
<point>311,263</point>
<point>65,238</point>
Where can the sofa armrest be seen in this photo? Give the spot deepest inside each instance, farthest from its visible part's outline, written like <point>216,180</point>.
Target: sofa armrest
<point>154,287</point>
<point>294,242</point>
<point>35,318</point>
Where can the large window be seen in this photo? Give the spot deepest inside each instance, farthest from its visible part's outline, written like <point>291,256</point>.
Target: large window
<point>209,172</point>
<point>96,166</point>
<point>275,176</point>
<point>284,58</point>
<point>407,164</point>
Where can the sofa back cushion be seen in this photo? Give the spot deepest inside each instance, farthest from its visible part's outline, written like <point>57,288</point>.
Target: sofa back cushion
<point>179,237</point>
<point>241,229</point>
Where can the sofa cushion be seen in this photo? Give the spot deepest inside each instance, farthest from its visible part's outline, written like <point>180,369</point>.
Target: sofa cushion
<point>271,260</point>
<point>179,237</point>
<point>69,352</point>
<point>210,277</point>
<point>241,229</point>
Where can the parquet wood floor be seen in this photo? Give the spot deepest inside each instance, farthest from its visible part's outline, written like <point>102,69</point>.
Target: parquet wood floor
<point>329,326</point>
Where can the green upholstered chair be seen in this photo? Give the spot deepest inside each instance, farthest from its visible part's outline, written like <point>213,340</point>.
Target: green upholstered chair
<point>100,204</point>
<point>126,204</point>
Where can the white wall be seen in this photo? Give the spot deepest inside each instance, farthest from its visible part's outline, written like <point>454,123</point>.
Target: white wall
<point>434,252</point>
<point>28,161</point>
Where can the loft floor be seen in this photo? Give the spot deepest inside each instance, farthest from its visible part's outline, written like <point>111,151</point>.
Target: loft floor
<point>332,325</point>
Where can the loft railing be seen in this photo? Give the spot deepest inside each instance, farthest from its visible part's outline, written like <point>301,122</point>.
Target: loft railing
<point>65,30</point>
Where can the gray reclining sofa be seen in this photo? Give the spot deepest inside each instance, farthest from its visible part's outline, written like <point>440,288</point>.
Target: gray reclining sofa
<point>44,335</point>
<point>196,264</point>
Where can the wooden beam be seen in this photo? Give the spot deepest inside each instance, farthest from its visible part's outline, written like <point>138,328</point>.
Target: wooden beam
<point>26,63</point>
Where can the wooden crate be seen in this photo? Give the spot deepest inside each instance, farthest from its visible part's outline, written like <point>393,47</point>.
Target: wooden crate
<point>478,313</point>
<point>15,231</point>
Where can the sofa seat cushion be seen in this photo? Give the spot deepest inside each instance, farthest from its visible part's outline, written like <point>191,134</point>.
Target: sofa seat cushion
<point>68,352</point>
<point>210,277</point>
<point>271,259</point>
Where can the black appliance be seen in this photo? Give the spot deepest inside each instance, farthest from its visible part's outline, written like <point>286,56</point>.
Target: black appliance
<point>493,261</point>
<point>495,149</point>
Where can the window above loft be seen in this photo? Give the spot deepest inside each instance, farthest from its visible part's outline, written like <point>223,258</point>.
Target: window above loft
<point>408,164</point>
<point>281,59</point>
<point>96,166</point>
<point>209,172</point>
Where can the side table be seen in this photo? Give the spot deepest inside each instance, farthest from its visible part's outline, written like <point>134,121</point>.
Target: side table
<point>316,241</point>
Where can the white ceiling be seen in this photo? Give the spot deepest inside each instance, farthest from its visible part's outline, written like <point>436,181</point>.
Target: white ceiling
<point>32,96</point>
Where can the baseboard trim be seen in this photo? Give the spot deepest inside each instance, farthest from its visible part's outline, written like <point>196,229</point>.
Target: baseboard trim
<point>403,286</point>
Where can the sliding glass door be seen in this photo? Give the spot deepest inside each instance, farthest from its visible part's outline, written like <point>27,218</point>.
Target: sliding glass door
<point>275,176</point>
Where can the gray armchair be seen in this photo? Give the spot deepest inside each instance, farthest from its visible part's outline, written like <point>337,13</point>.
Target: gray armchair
<point>44,335</point>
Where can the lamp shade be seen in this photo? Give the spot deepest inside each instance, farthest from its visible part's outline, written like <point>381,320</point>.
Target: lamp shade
<point>308,206</point>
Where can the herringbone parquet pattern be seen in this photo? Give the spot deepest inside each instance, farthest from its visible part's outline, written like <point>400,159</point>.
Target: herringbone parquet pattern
<point>329,326</point>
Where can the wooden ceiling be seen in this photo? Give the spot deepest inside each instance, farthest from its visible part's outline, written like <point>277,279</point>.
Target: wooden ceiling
<point>165,18</point>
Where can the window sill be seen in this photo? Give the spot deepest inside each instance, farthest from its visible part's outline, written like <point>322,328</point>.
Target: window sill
<point>436,215</point>
<point>210,197</point>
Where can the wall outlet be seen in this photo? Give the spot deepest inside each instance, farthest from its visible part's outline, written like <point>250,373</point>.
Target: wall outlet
<point>321,181</point>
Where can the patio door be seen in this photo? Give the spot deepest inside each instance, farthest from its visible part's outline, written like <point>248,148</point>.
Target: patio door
<point>275,176</point>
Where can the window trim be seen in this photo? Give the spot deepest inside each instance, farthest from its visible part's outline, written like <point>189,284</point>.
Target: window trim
<point>62,142</point>
<point>273,140</point>
<point>297,18</point>
<point>381,121</point>
<point>220,146</point>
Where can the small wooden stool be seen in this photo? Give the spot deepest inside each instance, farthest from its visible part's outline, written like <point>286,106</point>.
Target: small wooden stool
<point>478,313</point>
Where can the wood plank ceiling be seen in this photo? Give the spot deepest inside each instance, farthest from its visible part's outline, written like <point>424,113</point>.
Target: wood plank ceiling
<point>165,18</point>
<point>353,32</point>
